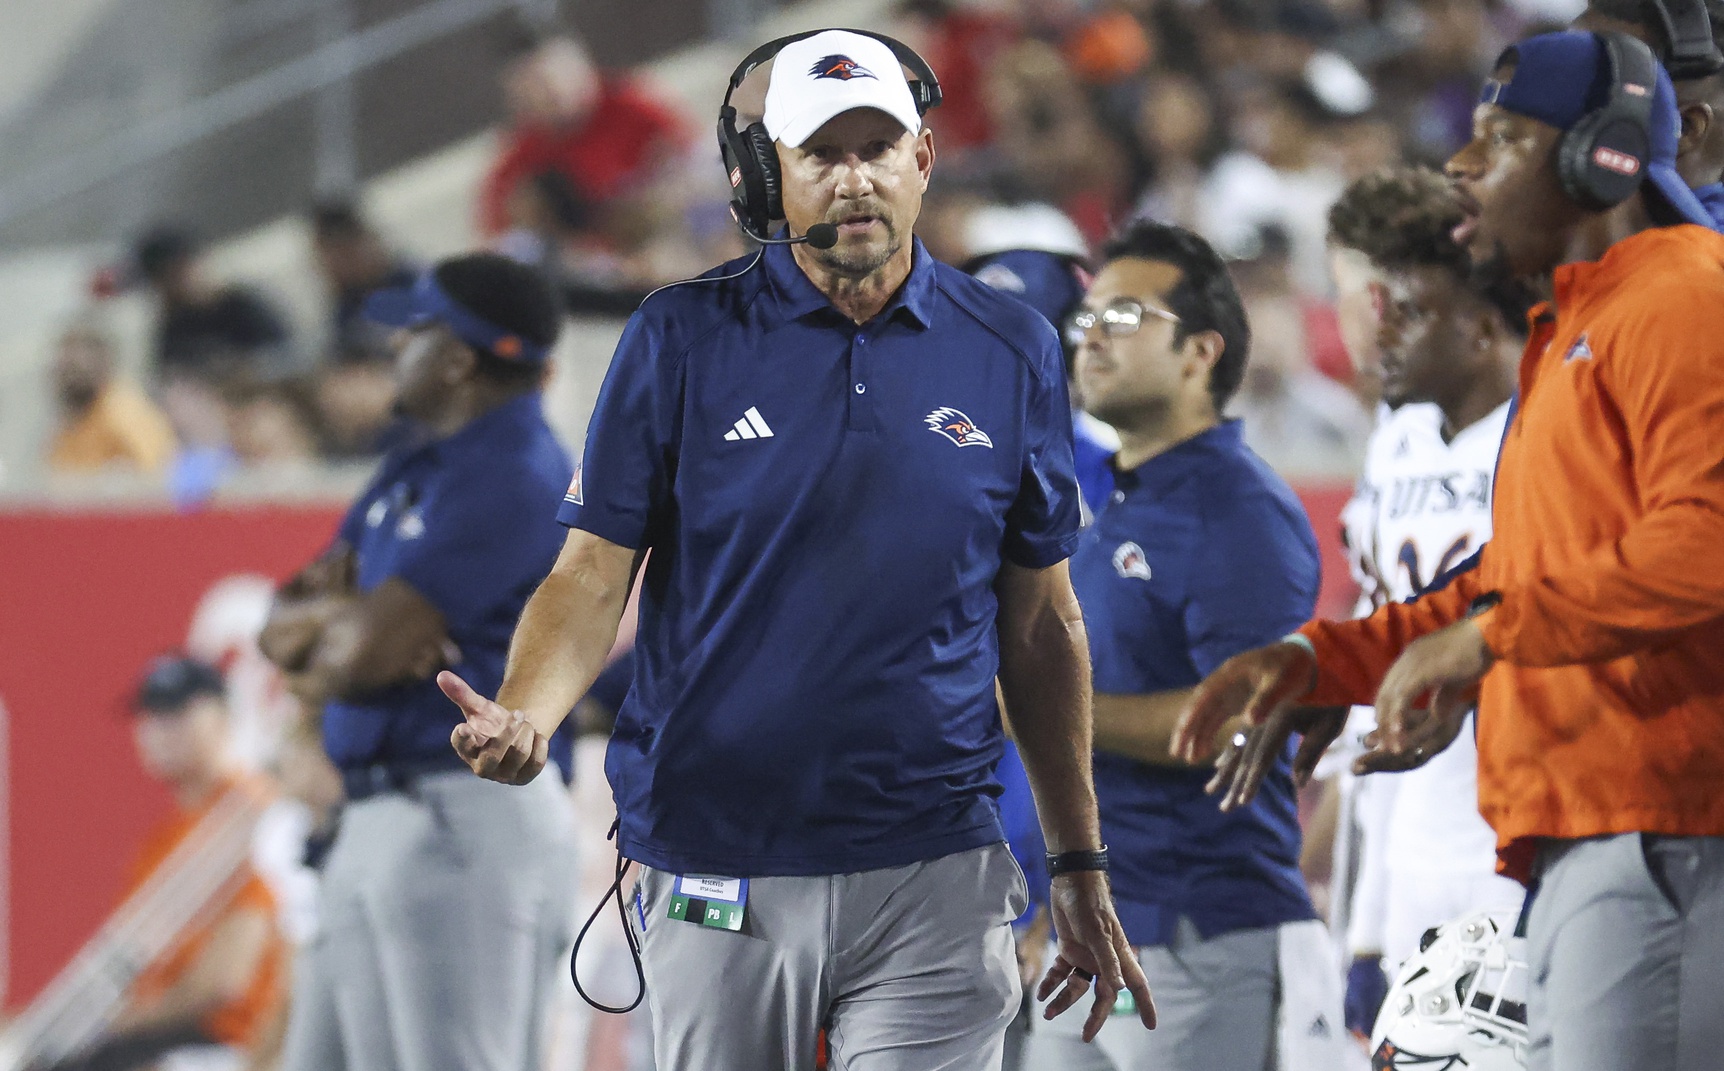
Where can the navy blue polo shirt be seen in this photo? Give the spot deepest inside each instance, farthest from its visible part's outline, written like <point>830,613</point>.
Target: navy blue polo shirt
<point>1201,553</point>
<point>470,521</point>
<point>828,506</point>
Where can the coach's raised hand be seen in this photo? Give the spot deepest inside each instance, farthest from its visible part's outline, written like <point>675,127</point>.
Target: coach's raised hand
<point>499,744</point>
<point>1254,685</point>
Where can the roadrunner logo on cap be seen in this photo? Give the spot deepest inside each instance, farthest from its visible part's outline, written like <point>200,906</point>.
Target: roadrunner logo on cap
<point>957,427</point>
<point>842,68</point>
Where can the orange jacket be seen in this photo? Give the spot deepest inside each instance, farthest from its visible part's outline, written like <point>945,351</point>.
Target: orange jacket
<point>241,1021</point>
<point>1605,712</point>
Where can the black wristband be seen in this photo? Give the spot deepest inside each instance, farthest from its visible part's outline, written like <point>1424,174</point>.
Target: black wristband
<point>1071,862</point>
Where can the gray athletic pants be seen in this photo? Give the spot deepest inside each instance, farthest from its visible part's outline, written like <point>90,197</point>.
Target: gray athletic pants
<point>910,968</point>
<point>1625,945</point>
<point>1215,1003</point>
<point>444,915</point>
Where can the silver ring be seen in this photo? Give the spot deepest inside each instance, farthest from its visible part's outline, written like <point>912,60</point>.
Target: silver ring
<point>1238,739</point>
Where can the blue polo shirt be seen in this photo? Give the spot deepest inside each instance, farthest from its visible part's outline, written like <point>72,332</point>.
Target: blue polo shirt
<point>828,506</point>
<point>470,521</point>
<point>1201,553</point>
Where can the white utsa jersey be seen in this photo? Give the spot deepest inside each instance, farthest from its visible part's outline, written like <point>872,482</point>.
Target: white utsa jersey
<point>1422,507</point>
<point>1427,502</point>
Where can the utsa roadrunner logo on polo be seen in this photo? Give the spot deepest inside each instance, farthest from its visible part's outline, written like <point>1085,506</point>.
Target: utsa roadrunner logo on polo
<point>842,68</point>
<point>954,425</point>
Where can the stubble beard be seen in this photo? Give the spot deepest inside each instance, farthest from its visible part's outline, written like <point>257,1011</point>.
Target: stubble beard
<point>863,262</point>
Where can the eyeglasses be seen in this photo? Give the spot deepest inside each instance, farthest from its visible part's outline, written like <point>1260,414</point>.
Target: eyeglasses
<point>1117,320</point>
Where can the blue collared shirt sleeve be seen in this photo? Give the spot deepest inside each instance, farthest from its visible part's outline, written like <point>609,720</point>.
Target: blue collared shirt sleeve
<point>1254,578</point>
<point>628,465</point>
<point>1042,524</point>
<point>487,536</point>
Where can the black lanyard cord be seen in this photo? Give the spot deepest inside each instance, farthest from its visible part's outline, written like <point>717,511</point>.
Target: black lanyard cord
<point>615,890</point>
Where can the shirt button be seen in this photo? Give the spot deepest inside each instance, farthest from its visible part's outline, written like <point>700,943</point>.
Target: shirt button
<point>861,340</point>
<point>860,389</point>
<point>1119,496</point>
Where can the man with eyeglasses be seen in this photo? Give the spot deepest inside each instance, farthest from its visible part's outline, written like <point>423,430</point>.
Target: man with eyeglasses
<point>1200,552</point>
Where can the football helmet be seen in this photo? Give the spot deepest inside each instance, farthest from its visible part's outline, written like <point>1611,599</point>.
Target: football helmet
<point>1459,1004</point>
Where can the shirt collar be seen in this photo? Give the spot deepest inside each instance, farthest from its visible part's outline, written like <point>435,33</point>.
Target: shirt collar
<point>1171,467</point>
<point>798,296</point>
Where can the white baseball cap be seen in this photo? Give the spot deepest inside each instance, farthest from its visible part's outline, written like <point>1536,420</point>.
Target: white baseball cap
<point>832,72</point>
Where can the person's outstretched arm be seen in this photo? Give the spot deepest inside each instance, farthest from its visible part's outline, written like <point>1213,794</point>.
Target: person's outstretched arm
<point>559,647</point>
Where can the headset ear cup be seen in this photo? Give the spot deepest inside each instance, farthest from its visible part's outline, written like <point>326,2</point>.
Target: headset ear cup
<point>764,152</point>
<point>1574,163</point>
<point>1588,151</point>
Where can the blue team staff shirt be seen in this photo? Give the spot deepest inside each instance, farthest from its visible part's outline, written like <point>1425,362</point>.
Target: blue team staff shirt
<point>470,521</point>
<point>828,506</point>
<point>1202,553</point>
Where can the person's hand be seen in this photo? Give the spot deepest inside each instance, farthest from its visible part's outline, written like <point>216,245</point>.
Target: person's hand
<point>1247,759</point>
<point>497,743</point>
<point>1254,685</point>
<point>1446,666</point>
<point>1425,741</point>
<point>1093,951</point>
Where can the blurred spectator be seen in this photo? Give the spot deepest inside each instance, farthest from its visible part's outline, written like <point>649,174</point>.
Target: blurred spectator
<point>1280,176</point>
<point>353,394</point>
<point>1050,138</point>
<point>218,987</point>
<point>353,260</point>
<point>961,42</point>
<point>609,136</point>
<point>1179,135</point>
<point>1300,420</point>
<point>200,417</point>
<point>207,330</point>
<point>1109,47</point>
<point>355,405</point>
<point>547,217</point>
<point>1432,85</point>
<point>104,421</point>
<point>271,426</point>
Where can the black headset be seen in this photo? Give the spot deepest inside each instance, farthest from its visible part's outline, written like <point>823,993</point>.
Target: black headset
<point>1693,52</point>
<point>750,157</point>
<point>1603,157</point>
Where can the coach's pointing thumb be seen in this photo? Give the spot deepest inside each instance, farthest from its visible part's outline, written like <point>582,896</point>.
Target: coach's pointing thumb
<point>481,717</point>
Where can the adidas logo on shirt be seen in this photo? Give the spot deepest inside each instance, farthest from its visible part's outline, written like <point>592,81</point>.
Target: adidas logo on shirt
<point>751,426</point>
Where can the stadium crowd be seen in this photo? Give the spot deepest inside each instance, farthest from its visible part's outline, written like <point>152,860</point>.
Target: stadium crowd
<point>1241,119</point>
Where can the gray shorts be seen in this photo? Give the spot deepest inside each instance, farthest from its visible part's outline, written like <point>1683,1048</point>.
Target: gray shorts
<point>444,918</point>
<point>1625,949</point>
<point>910,968</point>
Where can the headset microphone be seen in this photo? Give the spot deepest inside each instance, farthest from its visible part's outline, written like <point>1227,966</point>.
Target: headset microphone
<point>820,236</point>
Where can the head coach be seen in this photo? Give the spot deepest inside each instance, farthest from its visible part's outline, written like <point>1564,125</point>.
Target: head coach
<point>852,467</point>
